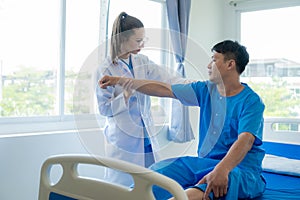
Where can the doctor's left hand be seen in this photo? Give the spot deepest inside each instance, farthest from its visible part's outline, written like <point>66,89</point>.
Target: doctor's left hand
<point>128,88</point>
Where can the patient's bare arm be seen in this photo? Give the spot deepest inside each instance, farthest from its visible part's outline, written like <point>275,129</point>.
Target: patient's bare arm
<point>149,87</point>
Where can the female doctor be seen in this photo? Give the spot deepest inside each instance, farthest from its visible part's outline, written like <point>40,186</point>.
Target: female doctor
<point>129,129</point>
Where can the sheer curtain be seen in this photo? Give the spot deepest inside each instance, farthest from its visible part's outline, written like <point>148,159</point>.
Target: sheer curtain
<point>178,16</point>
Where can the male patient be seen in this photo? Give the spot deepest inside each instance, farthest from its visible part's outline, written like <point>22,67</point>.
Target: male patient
<point>229,159</point>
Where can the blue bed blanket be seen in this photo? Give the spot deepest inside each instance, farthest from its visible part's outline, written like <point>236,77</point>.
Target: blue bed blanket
<point>281,187</point>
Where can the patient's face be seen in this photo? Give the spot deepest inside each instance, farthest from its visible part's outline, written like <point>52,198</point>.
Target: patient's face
<point>216,67</point>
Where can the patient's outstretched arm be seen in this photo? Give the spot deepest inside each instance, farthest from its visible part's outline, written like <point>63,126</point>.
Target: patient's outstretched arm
<point>149,87</point>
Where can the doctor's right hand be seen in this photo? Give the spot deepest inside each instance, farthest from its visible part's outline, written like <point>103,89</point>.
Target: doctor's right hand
<point>106,81</point>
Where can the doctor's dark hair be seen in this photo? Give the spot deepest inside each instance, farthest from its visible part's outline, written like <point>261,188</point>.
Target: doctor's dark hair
<point>124,24</point>
<point>233,50</point>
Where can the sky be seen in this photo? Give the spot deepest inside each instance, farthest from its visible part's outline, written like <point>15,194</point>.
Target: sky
<point>28,35</point>
<point>31,37</point>
<point>272,33</point>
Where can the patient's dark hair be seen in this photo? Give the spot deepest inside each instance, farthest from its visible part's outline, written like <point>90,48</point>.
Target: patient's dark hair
<point>124,24</point>
<point>233,50</point>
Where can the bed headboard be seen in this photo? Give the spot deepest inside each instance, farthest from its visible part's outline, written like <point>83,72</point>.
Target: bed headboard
<point>282,142</point>
<point>282,130</point>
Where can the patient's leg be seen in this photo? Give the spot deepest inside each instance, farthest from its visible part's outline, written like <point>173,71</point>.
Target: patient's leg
<point>193,194</point>
<point>191,169</point>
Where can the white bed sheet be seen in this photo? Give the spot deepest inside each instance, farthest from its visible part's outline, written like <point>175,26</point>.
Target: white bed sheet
<point>281,165</point>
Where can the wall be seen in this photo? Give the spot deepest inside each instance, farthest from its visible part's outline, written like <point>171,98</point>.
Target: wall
<point>206,22</point>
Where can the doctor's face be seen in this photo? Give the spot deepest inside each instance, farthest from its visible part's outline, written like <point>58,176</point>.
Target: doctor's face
<point>135,42</point>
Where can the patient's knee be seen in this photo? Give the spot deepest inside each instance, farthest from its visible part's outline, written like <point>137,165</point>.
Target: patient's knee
<point>194,193</point>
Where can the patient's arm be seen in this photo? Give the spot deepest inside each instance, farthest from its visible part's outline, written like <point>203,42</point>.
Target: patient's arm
<point>149,87</point>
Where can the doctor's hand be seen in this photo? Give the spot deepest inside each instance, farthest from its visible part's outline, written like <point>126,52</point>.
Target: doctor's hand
<point>217,182</point>
<point>106,81</point>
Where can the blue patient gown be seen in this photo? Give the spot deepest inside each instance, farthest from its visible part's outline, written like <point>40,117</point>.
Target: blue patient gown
<point>222,119</point>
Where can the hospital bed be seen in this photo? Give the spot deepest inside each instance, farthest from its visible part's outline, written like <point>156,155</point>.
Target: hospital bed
<point>281,169</point>
<point>72,186</point>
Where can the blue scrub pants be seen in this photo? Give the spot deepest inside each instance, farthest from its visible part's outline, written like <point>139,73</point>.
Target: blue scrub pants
<point>187,171</point>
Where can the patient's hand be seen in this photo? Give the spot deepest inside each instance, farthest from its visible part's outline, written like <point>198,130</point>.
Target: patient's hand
<point>217,182</point>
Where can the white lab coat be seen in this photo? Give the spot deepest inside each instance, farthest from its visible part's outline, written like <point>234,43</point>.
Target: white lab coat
<point>124,130</point>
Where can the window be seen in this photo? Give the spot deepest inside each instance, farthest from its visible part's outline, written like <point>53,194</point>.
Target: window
<point>44,45</point>
<point>273,42</point>
<point>33,57</point>
<point>29,58</point>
